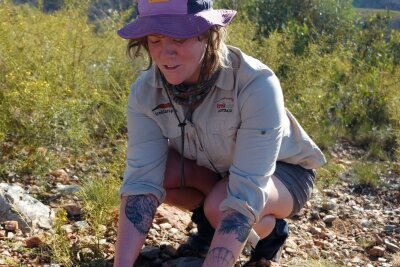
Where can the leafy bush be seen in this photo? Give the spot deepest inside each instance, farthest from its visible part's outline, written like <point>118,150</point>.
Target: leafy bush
<point>63,85</point>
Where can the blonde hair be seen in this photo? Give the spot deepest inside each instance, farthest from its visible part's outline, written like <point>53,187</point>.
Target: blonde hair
<point>213,57</point>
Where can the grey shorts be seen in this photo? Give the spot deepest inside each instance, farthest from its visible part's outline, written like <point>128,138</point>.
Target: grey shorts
<point>298,180</point>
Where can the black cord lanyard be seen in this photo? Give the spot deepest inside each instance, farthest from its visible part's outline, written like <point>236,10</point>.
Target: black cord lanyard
<point>181,124</point>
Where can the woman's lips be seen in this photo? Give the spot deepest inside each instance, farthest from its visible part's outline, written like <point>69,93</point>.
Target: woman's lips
<point>171,67</point>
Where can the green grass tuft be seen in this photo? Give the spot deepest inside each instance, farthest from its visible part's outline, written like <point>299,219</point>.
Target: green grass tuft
<point>367,174</point>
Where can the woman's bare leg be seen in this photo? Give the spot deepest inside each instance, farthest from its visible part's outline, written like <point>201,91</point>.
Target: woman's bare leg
<point>199,181</point>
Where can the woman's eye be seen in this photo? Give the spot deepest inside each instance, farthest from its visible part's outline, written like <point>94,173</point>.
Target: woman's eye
<point>154,41</point>
<point>179,41</point>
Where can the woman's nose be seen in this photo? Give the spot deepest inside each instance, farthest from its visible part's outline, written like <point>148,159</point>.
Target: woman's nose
<point>168,49</point>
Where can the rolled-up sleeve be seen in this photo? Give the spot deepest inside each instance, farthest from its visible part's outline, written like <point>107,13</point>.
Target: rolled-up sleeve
<point>257,145</point>
<point>146,154</point>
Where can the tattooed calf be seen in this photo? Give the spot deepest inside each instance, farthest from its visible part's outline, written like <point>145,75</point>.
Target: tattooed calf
<point>140,210</point>
<point>220,257</point>
<point>237,223</point>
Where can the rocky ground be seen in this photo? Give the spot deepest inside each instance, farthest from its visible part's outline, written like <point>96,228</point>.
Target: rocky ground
<point>346,225</point>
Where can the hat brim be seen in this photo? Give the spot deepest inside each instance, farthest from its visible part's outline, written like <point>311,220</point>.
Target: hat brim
<point>177,26</point>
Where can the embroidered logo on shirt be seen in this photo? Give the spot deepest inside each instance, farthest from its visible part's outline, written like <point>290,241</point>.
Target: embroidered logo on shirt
<point>162,109</point>
<point>225,104</point>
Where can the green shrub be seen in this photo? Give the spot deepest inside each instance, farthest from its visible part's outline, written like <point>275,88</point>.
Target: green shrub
<point>64,85</point>
<point>100,198</point>
<point>59,242</point>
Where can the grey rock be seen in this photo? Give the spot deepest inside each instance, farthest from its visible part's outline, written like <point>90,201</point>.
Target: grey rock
<point>392,247</point>
<point>67,189</point>
<point>389,228</point>
<point>328,219</point>
<point>17,205</point>
<point>81,225</point>
<point>366,223</point>
<point>330,205</point>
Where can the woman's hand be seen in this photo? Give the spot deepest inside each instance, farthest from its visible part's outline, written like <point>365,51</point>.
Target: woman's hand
<point>135,219</point>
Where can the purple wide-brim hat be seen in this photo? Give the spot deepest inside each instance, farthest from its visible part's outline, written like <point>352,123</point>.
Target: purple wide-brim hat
<point>175,18</point>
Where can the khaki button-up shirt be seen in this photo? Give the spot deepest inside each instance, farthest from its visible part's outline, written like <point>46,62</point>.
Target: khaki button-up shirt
<point>241,128</point>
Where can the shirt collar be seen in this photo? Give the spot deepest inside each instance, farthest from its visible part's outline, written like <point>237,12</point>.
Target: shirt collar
<point>226,79</point>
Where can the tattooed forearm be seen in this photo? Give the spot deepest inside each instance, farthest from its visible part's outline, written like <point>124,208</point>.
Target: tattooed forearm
<point>220,257</point>
<point>140,210</point>
<point>236,223</point>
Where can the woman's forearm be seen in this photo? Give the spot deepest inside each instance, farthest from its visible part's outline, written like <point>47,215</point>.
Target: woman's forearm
<point>135,219</point>
<point>229,239</point>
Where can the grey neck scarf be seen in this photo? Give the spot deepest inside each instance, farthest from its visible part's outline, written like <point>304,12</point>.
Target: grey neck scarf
<point>190,95</point>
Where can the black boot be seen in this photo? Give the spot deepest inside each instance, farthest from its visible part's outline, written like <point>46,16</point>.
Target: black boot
<point>270,247</point>
<point>198,244</point>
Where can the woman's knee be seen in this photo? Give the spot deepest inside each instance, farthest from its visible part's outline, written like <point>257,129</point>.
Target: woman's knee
<point>211,210</point>
<point>265,225</point>
<point>280,201</point>
<point>213,201</point>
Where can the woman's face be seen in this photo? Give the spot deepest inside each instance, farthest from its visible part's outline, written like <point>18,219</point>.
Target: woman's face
<point>178,59</point>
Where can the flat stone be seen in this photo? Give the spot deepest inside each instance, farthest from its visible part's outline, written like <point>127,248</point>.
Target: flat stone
<point>330,205</point>
<point>67,228</point>
<point>290,251</point>
<point>60,174</point>
<point>328,219</point>
<point>356,259</point>
<point>11,226</point>
<point>81,225</point>
<point>165,226</point>
<point>366,223</point>
<point>33,242</point>
<point>67,189</point>
<point>392,247</point>
<point>377,251</point>
<point>17,205</point>
<point>73,209</point>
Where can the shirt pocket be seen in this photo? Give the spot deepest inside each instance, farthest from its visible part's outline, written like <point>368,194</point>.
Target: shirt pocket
<point>170,129</point>
<point>220,140</point>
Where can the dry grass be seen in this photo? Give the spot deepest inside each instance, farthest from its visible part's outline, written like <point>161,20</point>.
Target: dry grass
<point>396,260</point>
